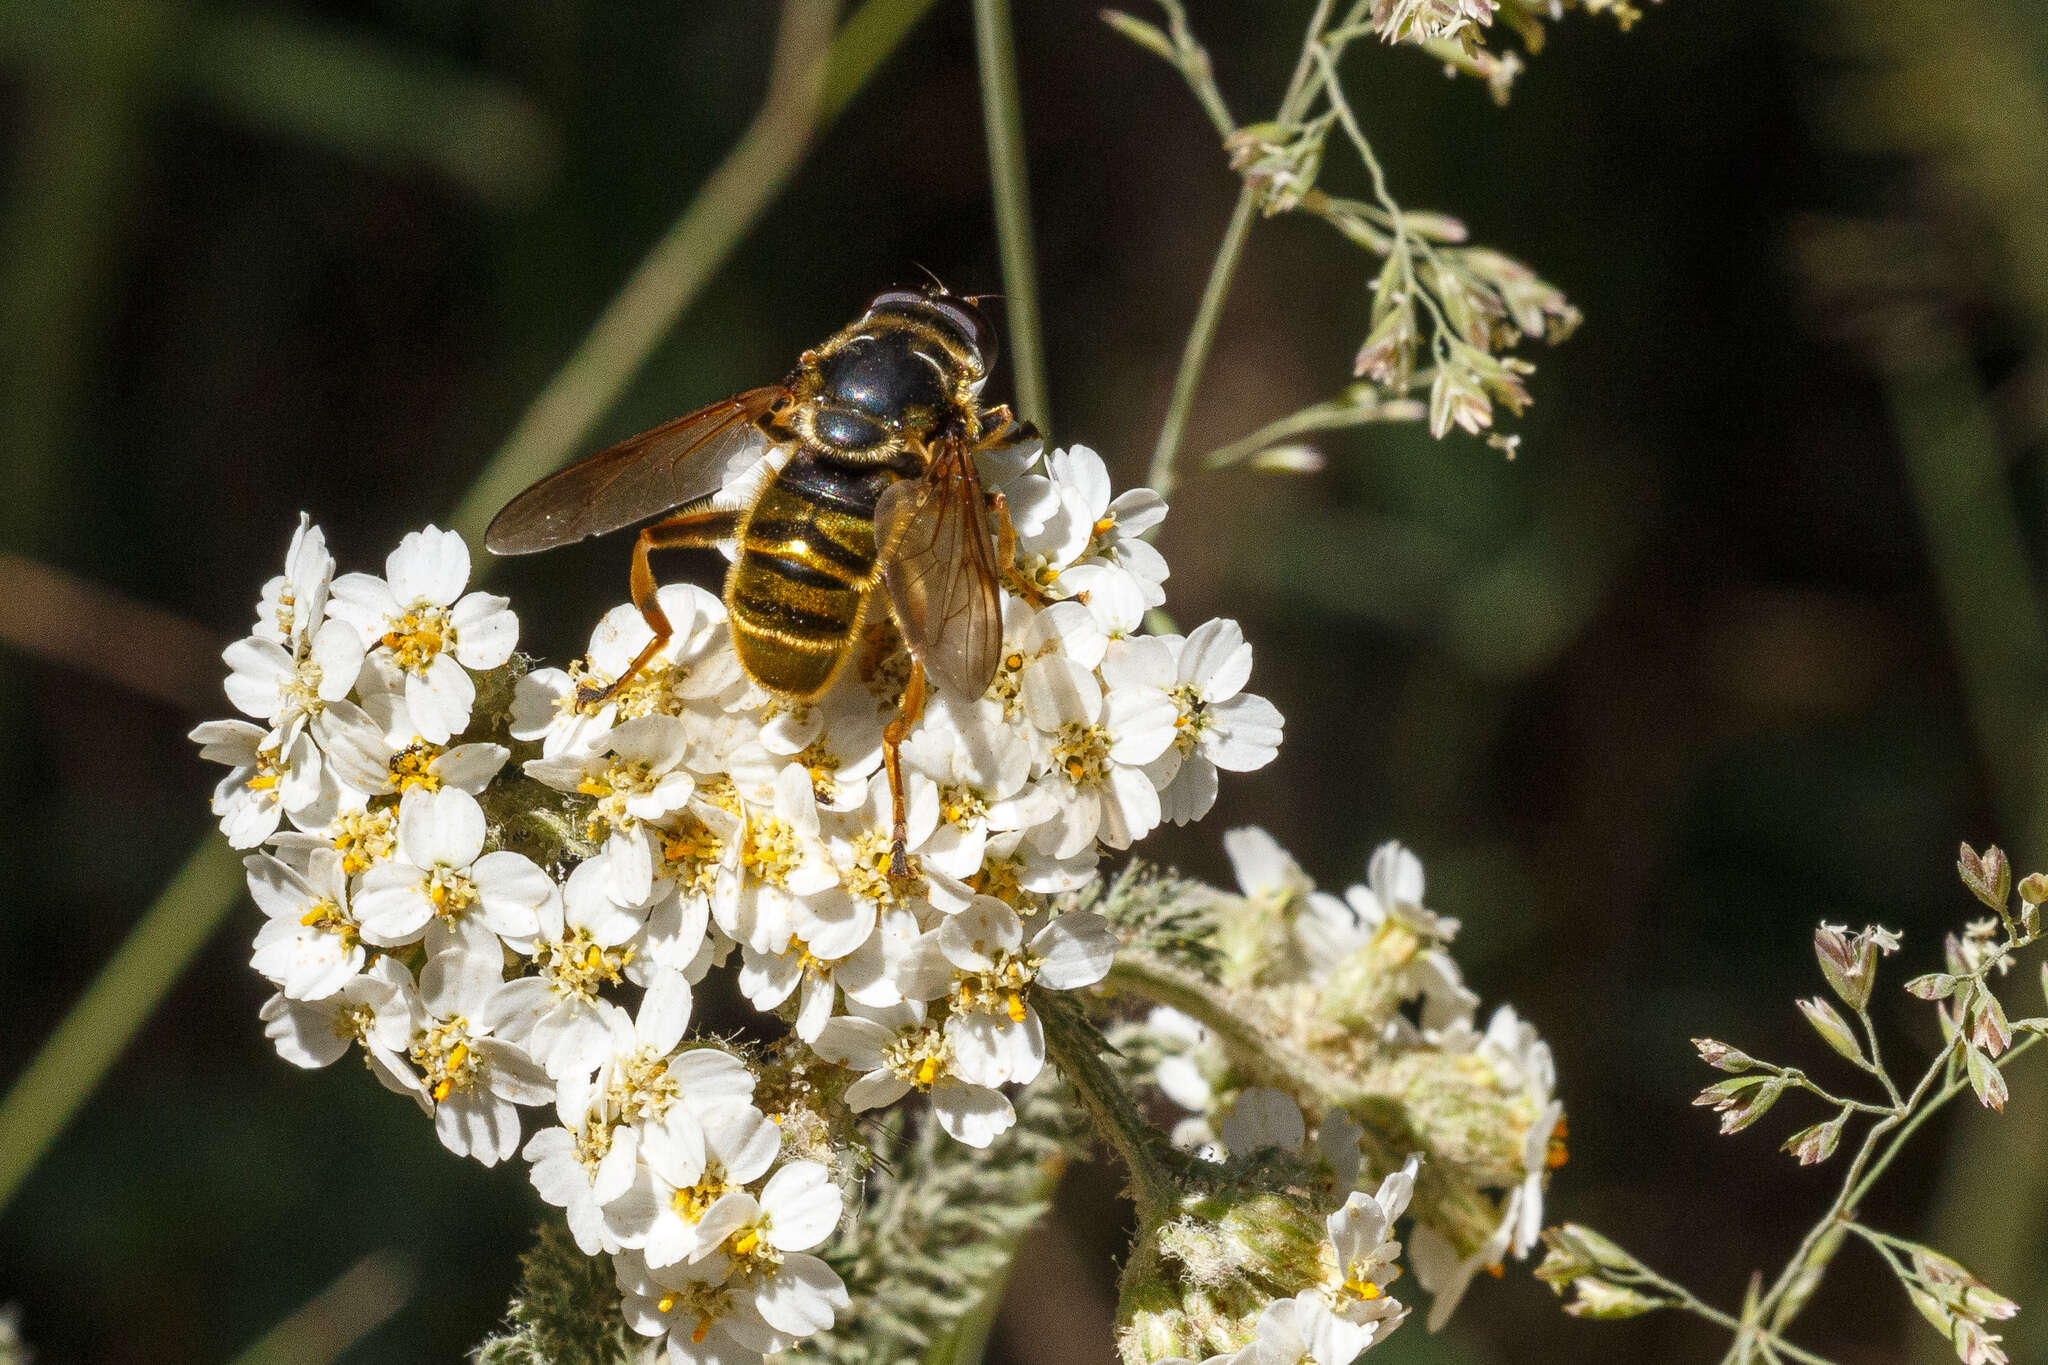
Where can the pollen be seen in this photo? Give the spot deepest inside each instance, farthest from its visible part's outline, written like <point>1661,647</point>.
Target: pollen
<point>927,1071</point>
<point>1016,1008</point>
<point>769,850</point>
<point>666,1303</point>
<point>1082,753</point>
<point>415,638</point>
<point>413,766</point>
<point>364,838</point>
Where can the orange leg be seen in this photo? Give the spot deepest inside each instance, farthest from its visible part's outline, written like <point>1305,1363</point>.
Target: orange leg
<point>683,531</point>
<point>1006,554</point>
<point>908,712</point>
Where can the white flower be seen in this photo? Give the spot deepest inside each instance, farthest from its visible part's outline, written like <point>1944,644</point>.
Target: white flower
<point>784,863</point>
<point>1217,724</point>
<point>1095,748</point>
<point>471,1078</point>
<point>691,1168</point>
<point>696,664</point>
<point>441,884</point>
<point>752,1289</point>
<point>637,778</point>
<point>377,1008</point>
<point>283,689</point>
<point>1263,1118</point>
<point>419,625</point>
<point>293,601</point>
<point>271,775</point>
<point>557,1014</point>
<point>309,945</point>
<point>370,761</point>
<point>581,1168</point>
<point>913,1056</point>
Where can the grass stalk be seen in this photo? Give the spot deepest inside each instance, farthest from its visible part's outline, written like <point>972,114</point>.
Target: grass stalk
<point>995,52</point>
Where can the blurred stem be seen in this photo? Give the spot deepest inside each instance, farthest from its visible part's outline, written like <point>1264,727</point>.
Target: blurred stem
<point>1950,442</point>
<point>818,81</point>
<point>1071,1043</point>
<point>1949,439</point>
<point>1195,354</point>
<point>1002,112</point>
<point>73,1061</point>
<point>815,75</point>
<point>1333,415</point>
<point>363,1299</point>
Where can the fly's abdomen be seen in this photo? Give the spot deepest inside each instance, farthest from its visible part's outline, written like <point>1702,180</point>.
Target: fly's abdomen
<point>797,593</point>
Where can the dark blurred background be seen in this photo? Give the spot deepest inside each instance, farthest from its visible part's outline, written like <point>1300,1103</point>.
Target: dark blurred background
<point>1746,638</point>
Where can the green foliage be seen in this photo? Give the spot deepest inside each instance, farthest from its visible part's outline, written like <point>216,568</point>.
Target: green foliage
<point>940,1228</point>
<point>566,1311</point>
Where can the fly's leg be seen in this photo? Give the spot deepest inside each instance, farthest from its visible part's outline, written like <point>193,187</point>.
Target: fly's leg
<point>1006,554</point>
<point>683,531</point>
<point>908,712</point>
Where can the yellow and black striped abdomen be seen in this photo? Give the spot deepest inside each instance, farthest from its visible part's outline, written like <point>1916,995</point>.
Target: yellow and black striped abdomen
<point>798,592</point>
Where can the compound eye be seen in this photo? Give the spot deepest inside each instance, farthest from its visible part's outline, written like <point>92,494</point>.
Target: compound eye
<point>974,323</point>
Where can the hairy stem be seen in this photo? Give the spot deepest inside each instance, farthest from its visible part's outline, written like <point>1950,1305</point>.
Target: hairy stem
<point>1071,1041</point>
<point>1002,113</point>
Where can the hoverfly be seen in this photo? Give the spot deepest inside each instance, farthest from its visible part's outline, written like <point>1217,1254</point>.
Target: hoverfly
<point>878,428</point>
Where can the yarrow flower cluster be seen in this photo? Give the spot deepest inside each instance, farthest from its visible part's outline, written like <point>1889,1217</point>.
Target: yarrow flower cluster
<point>507,897</point>
<point>1363,988</point>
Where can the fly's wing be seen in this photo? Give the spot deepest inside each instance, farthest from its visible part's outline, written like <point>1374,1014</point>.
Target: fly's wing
<point>938,565</point>
<point>677,462</point>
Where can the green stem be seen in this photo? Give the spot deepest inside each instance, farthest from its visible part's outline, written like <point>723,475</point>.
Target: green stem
<point>1237,1023</point>
<point>1195,354</point>
<point>73,1061</point>
<point>1071,1043</point>
<point>1002,113</point>
<point>816,75</point>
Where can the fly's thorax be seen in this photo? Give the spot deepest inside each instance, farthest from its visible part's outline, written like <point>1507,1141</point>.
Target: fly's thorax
<point>894,382</point>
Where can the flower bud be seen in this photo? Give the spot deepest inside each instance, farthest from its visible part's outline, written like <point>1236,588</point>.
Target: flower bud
<point>1722,1057</point>
<point>1988,875</point>
<point>1196,1285</point>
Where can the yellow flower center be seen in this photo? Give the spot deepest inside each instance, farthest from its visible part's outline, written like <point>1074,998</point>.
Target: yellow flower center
<point>691,856</point>
<point>364,838</point>
<point>999,878</point>
<point>329,918</point>
<point>618,783</point>
<point>451,892</point>
<point>575,965</point>
<point>413,766</point>
<point>823,766</point>
<point>920,1058</point>
<point>443,1053</point>
<point>960,806</point>
<point>769,850</point>
<point>1081,753</point>
<point>694,1201</point>
<point>415,638</point>
<point>868,878</point>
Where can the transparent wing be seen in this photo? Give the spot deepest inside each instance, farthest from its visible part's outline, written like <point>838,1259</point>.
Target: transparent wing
<point>938,565</point>
<point>677,462</point>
